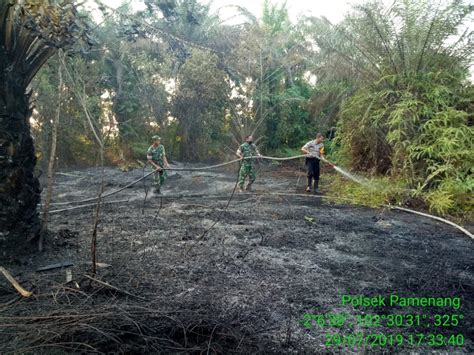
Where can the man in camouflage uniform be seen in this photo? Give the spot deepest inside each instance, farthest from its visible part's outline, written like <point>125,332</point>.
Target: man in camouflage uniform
<point>156,156</point>
<point>248,149</point>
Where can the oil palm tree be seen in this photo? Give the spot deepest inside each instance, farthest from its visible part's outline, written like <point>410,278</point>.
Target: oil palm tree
<point>30,33</point>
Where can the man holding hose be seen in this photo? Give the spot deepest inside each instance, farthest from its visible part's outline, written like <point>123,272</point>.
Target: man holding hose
<point>315,151</point>
<point>156,156</point>
<point>247,150</point>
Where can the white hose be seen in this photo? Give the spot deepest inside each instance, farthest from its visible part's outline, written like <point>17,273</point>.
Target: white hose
<point>113,192</point>
<point>465,231</point>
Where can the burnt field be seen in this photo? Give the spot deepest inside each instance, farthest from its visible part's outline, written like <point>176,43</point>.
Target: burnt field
<point>172,280</point>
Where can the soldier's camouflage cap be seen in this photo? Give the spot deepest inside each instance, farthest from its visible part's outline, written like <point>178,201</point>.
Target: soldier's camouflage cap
<point>155,138</point>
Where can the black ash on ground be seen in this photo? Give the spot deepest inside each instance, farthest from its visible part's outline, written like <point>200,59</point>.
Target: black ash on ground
<point>170,284</point>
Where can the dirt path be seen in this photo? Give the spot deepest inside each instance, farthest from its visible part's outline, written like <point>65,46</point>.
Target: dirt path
<point>247,286</point>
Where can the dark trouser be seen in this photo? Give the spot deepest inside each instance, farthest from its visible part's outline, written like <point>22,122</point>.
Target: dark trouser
<point>312,164</point>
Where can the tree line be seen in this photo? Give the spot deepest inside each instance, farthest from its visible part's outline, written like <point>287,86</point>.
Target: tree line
<point>391,85</point>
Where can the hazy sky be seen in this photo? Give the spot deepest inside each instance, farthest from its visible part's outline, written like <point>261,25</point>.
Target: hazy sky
<point>334,10</point>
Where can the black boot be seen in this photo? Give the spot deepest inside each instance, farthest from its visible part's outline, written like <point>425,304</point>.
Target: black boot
<point>316,186</point>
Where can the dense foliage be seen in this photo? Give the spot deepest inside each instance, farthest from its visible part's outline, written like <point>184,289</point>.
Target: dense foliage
<point>393,83</point>
<point>411,117</point>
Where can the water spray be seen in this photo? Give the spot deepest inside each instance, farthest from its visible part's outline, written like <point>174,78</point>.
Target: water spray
<point>343,172</point>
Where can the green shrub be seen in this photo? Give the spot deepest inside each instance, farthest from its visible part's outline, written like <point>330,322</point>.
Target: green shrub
<point>138,149</point>
<point>378,191</point>
<point>419,133</point>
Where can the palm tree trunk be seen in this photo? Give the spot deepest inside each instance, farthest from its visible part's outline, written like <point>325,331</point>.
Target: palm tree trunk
<point>19,188</point>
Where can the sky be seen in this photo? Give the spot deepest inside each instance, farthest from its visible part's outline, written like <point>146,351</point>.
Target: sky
<point>334,10</point>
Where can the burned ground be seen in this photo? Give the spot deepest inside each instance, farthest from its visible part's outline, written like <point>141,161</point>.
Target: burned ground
<point>177,285</point>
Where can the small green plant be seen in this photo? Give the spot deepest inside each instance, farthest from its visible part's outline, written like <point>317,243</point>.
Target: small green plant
<point>378,191</point>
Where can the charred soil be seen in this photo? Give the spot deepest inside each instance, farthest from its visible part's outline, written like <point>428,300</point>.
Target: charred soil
<point>172,280</point>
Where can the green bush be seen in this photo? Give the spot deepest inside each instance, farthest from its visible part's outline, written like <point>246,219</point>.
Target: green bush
<point>376,193</point>
<point>410,116</point>
<point>138,149</point>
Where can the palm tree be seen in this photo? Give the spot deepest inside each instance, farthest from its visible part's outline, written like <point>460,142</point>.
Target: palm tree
<point>30,33</point>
